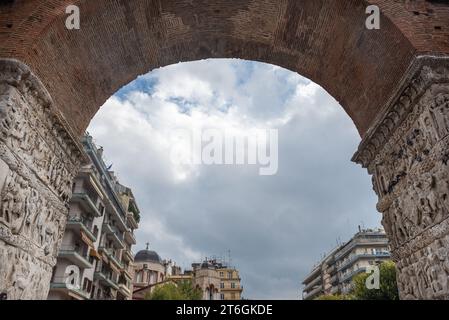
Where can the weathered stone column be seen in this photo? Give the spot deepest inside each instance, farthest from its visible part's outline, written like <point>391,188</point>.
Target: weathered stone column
<point>407,153</point>
<point>38,160</point>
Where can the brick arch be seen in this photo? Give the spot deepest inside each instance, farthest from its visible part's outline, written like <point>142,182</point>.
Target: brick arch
<point>324,40</point>
<point>393,83</point>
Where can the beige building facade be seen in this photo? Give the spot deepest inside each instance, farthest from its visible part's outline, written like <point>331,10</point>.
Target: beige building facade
<point>216,280</point>
<point>230,284</point>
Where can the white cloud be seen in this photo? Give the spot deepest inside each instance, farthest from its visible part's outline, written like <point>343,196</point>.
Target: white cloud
<point>276,227</point>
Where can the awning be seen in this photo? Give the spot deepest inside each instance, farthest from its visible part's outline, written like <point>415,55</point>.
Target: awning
<point>86,240</point>
<point>94,253</point>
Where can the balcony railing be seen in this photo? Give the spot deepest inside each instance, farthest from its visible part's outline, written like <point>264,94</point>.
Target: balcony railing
<point>111,257</point>
<point>120,219</point>
<point>316,270</point>
<point>123,288</point>
<point>360,242</point>
<point>79,223</point>
<point>346,263</point>
<point>128,255</point>
<point>127,274</point>
<point>101,276</point>
<point>132,220</point>
<point>350,274</point>
<point>60,284</point>
<point>114,235</point>
<point>311,294</point>
<point>76,255</point>
<point>313,283</point>
<point>130,237</point>
<point>86,202</point>
<point>334,279</point>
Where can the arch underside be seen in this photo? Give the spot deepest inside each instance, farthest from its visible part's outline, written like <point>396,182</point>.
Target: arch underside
<point>323,40</point>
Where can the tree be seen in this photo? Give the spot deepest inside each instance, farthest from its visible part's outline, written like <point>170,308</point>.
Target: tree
<point>183,290</point>
<point>388,289</point>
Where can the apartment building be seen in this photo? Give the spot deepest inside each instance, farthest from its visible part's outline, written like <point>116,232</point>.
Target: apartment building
<point>334,273</point>
<point>215,279</point>
<point>95,257</point>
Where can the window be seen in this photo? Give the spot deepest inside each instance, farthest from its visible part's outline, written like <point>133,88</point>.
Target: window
<point>233,285</point>
<point>101,209</point>
<point>87,285</point>
<point>222,285</point>
<point>92,295</point>
<point>95,231</point>
<point>222,296</point>
<point>229,275</point>
<point>221,274</point>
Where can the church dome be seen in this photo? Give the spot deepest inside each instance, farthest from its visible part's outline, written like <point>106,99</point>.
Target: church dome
<point>147,256</point>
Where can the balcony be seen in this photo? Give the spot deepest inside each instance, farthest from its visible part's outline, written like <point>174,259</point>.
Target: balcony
<point>124,290</point>
<point>116,262</point>
<point>131,220</point>
<point>119,218</point>
<point>348,275</point>
<point>127,274</point>
<point>59,285</point>
<point>104,280</point>
<point>313,283</point>
<point>128,255</point>
<point>114,235</point>
<point>361,242</point>
<point>315,272</point>
<point>129,237</point>
<point>239,289</point>
<point>76,256</point>
<point>93,180</point>
<point>111,257</point>
<point>79,224</point>
<point>107,228</point>
<point>334,279</point>
<point>347,263</point>
<point>84,200</point>
<point>332,269</point>
<point>313,293</point>
<point>334,290</point>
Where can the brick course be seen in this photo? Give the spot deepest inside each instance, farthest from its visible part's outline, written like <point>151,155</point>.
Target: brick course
<point>324,40</point>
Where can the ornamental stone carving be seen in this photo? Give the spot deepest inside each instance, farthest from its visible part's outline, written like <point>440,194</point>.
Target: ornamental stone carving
<point>38,160</point>
<point>407,153</point>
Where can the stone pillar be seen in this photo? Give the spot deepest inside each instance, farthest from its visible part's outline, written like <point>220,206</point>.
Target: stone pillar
<point>407,153</point>
<point>38,160</point>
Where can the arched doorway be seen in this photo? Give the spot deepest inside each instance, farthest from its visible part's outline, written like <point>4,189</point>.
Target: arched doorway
<point>392,82</point>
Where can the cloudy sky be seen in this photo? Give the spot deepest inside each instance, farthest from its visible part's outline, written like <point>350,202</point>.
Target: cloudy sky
<point>276,227</point>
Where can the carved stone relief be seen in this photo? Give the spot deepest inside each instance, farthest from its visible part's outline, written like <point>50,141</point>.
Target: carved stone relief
<point>408,156</point>
<point>38,160</point>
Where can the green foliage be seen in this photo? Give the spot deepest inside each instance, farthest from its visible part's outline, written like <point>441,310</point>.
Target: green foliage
<point>388,289</point>
<point>171,291</point>
<point>135,212</point>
